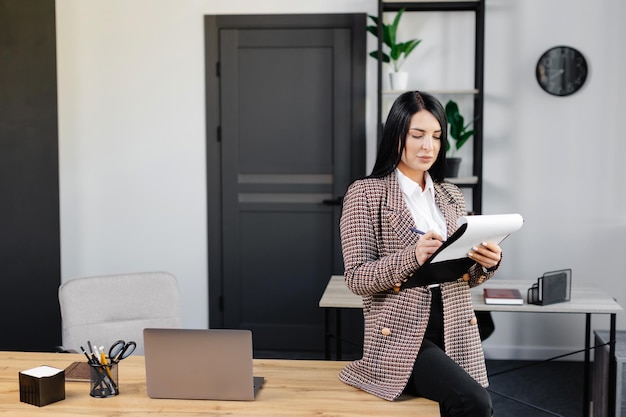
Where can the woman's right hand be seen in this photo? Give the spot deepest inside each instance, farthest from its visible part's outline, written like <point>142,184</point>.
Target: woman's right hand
<point>427,244</point>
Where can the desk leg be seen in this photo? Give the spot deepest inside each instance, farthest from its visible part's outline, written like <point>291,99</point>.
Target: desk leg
<point>327,335</point>
<point>338,333</point>
<point>587,368</point>
<point>612,370</point>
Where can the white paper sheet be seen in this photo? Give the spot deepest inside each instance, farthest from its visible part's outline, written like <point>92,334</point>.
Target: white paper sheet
<point>480,228</point>
<point>42,371</point>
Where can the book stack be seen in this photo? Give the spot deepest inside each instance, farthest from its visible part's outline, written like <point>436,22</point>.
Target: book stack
<point>503,296</point>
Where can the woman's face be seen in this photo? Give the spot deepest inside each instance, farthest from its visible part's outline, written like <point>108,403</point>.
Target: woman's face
<point>423,142</point>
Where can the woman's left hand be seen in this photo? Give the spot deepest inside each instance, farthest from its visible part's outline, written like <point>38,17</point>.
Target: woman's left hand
<point>487,254</point>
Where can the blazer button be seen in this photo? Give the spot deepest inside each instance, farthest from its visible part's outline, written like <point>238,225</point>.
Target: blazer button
<point>466,277</point>
<point>473,321</point>
<point>385,331</point>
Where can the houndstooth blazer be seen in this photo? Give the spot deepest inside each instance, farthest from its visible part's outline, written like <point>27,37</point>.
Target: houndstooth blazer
<point>379,253</point>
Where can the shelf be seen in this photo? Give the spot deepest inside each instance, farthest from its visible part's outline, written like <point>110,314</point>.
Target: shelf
<point>440,92</point>
<point>425,5</point>
<point>430,1</point>
<point>473,180</point>
<point>474,92</point>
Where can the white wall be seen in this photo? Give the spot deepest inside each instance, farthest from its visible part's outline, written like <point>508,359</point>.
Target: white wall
<point>132,145</point>
<point>556,160</point>
<point>132,135</point>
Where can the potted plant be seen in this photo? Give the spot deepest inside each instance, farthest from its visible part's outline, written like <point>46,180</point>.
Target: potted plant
<point>398,51</point>
<point>459,132</point>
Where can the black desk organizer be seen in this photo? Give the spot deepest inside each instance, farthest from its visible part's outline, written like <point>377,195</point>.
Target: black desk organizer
<point>553,287</point>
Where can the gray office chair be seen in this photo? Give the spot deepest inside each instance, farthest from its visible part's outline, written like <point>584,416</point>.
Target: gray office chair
<point>108,308</point>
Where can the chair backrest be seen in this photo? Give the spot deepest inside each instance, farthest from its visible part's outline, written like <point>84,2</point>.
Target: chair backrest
<point>108,308</point>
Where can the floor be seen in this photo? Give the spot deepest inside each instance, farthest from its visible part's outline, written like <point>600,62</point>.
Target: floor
<point>536,389</point>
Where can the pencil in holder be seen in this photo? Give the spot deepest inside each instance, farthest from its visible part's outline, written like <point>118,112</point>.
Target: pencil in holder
<point>103,380</point>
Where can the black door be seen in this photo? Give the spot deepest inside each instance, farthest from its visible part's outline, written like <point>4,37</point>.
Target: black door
<point>290,123</point>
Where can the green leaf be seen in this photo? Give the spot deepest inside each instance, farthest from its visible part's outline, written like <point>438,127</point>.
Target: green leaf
<point>452,109</point>
<point>389,39</point>
<point>455,131</point>
<point>373,30</point>
<point>385,57</point>
<point>454,119</point>
<point>396,20</point>
<point>397,51</point>
<point>458,128</point>
<point>408,46</point>
<point>464,137</point>
<point>393,28</point>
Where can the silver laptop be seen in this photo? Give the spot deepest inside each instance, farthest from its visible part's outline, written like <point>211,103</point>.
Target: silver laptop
<point>206,364</point>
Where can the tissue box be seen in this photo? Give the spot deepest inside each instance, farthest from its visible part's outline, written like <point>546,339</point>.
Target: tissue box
<point>42,385</point>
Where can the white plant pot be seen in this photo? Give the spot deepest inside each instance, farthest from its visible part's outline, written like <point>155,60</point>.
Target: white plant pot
<point>398,80</point>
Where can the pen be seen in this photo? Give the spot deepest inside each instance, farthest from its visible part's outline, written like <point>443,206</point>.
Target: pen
<point>103,358</point>
<point>89,360</point>
<point>94,355</point>
<point>103,361</point>
<point>418,231</point>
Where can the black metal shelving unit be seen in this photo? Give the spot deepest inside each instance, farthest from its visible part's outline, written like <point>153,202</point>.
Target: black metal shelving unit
<point>478,7</point>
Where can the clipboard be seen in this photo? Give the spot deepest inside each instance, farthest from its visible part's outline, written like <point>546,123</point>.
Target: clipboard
<point>450,261</point>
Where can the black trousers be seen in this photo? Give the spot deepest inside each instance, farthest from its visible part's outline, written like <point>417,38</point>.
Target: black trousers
<point>437,377</point>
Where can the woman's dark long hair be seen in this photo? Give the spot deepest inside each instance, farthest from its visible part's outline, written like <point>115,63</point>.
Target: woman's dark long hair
<point>397,126</point>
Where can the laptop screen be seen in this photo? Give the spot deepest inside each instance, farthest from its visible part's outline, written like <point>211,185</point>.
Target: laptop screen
<point>214,364</point>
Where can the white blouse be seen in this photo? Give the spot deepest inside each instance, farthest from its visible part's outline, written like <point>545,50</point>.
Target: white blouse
<point>425,212</point>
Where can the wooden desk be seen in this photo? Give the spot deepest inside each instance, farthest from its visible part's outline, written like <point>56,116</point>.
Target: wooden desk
<point>586,300</point>
<point>292,388</point>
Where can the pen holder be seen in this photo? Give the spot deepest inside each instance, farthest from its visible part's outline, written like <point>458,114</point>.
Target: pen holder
<point>103,381</point>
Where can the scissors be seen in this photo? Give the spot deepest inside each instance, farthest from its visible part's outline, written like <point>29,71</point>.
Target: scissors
<point>121,350</point>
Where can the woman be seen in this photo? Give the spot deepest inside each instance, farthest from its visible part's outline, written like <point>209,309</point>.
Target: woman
<point>421,340</point>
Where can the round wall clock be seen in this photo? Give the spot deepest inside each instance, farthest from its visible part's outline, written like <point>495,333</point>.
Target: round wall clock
<point>561,70</point>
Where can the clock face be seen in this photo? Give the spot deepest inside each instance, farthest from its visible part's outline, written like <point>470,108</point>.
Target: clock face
<point>561,70</point>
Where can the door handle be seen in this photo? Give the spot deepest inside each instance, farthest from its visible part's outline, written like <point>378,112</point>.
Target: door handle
<point>333,201</point>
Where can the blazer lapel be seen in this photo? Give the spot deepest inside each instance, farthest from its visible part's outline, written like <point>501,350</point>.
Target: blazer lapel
<point>397,212</point>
